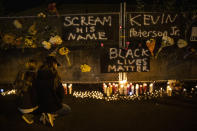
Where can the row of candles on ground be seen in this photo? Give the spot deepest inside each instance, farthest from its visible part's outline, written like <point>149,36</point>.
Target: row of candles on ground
<point>67,90</point>
<point>124,88</point>
<point>100,96</point>
<point>8,92</point>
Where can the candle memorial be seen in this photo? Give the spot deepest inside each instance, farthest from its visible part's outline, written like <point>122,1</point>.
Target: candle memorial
<point>124,88</point>
<point>120,91</point>
<point>9,92</point>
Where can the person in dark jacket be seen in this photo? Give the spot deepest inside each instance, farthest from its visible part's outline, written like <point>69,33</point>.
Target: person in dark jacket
<point>26,91</point>
<point>50,91</point>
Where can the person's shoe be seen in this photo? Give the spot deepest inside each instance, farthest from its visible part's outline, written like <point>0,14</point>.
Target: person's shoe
<point>43,118</point>
<point>28,118</point>
<point>47,117</point>
<point>50,119</point>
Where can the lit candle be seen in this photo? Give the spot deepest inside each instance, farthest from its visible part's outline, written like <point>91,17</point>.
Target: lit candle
<point>169,90</point>
<point>141,89</point>
<point>145,87</point>
<point>116,88</point>
<point>184,91</point>
<point>151,88</point>
<point>192,90</point>
<point>133,89</point>
<point>125,89</point>
<point>108,91</point>
<point>70,88</point>
<point>65,88</point>
<point>113,87</point>
<point>161,91</point>
<point>121,89</point>
<point>128,89</point>
<point>137,89</point>
<point>104,88</point>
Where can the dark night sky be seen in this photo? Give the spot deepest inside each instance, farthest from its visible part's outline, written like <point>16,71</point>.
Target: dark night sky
<point>20,5</point>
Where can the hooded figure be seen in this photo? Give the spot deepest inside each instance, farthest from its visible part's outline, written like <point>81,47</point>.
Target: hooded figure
<point>50,90</point>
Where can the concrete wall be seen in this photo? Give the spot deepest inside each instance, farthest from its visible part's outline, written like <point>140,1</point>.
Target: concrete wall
<point>171,64</point>
<point>160,69</point>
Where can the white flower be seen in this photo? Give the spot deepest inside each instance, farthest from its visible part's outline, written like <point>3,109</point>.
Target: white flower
<point>46,45</point>
<point>55,40</point>
<point>167,41</point>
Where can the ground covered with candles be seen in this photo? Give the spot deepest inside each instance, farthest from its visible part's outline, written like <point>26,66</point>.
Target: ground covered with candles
<point>164,113</point>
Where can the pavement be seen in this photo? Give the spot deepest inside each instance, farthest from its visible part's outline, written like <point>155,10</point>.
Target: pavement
<point>161,114</point>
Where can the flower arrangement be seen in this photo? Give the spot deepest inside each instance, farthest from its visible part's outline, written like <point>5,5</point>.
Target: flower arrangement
<point>166,41</point>
<point>25,34</point>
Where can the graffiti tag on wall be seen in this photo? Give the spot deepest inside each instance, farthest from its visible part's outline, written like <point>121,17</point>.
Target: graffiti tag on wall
<point>130,60</point>
<point>153,25</point>
<point>89,27</point>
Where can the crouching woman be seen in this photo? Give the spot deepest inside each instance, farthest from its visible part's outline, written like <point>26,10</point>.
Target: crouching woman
<point>50,92</point>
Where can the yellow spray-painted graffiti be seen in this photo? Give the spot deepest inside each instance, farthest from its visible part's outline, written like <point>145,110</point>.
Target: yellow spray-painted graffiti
<point>85,68</point>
